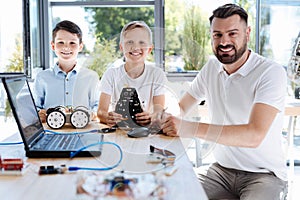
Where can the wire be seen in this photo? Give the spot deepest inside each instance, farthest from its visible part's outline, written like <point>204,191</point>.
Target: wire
<point>10,143</point>
<point>102,130</point>
<point>89,168</point>
<point>82,132</point>
<point>72,154</point>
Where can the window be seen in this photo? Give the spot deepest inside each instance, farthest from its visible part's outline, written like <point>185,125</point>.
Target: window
<point>102,23</point>
<point>279,28</point>
<point>36,36</point>
<point>11,37</point>
<point>81,12</point>
<point>267,19</point>
<point>11,51</point>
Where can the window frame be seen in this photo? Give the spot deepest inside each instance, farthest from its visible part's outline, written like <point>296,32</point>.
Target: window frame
<point>43,10</point>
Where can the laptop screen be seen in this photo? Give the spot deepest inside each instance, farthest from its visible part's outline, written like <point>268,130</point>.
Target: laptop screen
<point>23,107</point>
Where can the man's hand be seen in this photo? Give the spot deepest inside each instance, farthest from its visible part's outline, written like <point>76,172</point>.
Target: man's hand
<point>170,125</point>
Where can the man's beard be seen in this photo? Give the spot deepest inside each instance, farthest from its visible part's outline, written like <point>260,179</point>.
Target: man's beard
<point>229,59</point>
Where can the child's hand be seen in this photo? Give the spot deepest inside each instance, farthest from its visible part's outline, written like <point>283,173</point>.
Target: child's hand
<point>43,115</point>
<point>143,118</point>
<point>93,116</point>
<point>113,118</point>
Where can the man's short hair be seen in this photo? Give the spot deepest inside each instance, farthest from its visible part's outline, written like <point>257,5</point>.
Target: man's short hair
<point>228,10</point>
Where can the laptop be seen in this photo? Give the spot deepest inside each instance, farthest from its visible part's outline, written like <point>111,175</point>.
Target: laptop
<point>39,143</point>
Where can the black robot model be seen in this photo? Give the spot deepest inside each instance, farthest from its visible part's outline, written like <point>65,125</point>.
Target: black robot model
<point>128,106</point>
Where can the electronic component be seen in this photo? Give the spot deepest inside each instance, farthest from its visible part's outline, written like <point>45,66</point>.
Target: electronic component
<point>163,156</point>
<point>170,170</point>
<point>119,185</point>
<point>50,169</point>
<point>154,158</point>
<point>128,106</point>
<point>170,156</point>
<point>107,130</point>
<point>57,117</point>
<point>11,166</point>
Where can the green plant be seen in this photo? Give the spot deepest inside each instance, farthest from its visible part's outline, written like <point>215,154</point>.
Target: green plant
<point>15,65</point>
<point>195,39</point>
<point>16,60</point>
<point>7,111</point>
<point>104,54</point>
<point>109,20</point>
<point>174,12</point>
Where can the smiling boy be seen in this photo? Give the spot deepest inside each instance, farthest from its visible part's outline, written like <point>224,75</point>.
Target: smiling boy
<point>67,83</point>
<point>147,79</point>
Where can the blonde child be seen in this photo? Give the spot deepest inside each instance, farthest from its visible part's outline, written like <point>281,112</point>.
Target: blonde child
<point>148,79</point>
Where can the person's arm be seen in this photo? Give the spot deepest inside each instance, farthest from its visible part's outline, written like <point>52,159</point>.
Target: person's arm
<point>38,94</point>
<point>39,99</point>
<point>244,135</point>
<point>94,97</point>
<point>158,103</point>
<point>109,118</point>
<point>186,103</point>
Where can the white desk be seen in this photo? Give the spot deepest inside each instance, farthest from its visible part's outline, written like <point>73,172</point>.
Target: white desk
<point>181,185</point>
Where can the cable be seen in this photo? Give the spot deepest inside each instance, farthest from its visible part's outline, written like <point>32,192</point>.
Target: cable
<point>102,169</point>
<point>82,132</point>
<point>10,143</point>
<point>102,130</point>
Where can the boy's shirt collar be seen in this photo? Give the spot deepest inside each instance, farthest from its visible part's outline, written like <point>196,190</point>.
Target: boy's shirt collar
<point>58,70</point>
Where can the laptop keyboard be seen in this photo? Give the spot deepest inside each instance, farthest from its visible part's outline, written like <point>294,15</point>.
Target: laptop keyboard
<point>58,142</point>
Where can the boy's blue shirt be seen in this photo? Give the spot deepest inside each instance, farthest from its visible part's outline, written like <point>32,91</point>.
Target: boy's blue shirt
<point>54,87</point>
